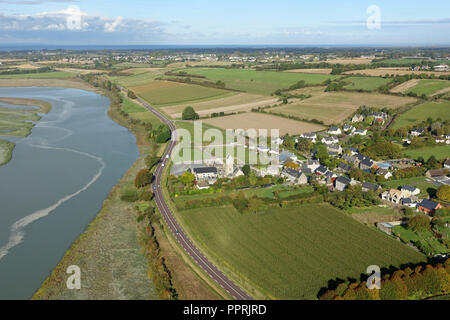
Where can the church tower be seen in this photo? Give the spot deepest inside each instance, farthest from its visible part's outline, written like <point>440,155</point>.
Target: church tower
<point>229,165</point>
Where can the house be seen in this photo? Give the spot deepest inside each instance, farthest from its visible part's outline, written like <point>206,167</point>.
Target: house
<point>447,164</point>
<point>379,117</point>
<point>384,173</point>
<point>272,170</point>
<point>408,191</point>
<point>358,118</point>
<point>344,167</point>
<point>393,195</point>
<point>351,150</point>
<point>350,159</point>
<point>311,164</point>
<point>366,164</point>
<point>309,136</point>
<point>329,140</point>
<point>294,176</point>
<point>435,173</point>
<point>417,132</point>
<point>428,206</point>
<point>207,173</point>
<point>334,131</point>
<point>349,128</point>
<point>360,132</point>
<point>336,148</point>
<point>442,67</point>
<point>286,156</point>
<point>341,183</point>
<point>278,141</point>
<point>408,202</point>
<point>203,185</point>
<point>367,186</point>
<point>321,170</point>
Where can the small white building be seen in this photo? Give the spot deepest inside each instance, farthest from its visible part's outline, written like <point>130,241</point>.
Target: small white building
<point>360,132</point>
<point>334,131</point>
<point>358,118</point>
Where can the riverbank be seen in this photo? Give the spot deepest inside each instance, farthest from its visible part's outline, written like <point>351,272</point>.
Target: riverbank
<point>111,252</point>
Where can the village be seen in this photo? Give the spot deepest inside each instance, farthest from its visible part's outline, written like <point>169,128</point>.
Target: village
<point>348,166</point>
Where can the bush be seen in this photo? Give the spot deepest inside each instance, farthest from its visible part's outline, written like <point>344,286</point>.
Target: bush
<point>129,195</point>
<point>143,178</point>
<point>145,195</point>
<point>189,114</point>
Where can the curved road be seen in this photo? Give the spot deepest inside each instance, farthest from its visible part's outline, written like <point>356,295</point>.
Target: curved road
<point>181,237</point>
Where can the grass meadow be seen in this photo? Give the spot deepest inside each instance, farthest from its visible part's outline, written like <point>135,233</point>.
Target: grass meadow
<point>421,112</point>
<point>258,82</point>
<point>366,83</point>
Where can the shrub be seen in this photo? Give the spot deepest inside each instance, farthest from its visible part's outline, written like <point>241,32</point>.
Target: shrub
<point>129,195</point>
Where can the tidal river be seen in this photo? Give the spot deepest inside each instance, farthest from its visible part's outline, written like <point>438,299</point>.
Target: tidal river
<point>56,182</point>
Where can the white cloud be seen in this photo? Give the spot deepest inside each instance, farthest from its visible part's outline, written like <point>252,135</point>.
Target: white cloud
<point>111,27</point>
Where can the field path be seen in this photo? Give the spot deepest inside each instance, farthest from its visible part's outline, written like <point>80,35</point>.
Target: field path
<point>441,91</point>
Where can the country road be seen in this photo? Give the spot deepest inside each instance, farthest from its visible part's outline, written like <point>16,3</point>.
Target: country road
<point>181,237</point>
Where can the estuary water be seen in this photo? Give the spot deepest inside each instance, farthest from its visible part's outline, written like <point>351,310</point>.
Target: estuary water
<point>56,182</point>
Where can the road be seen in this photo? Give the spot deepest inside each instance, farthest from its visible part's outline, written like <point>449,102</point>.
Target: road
<point>235,291</point>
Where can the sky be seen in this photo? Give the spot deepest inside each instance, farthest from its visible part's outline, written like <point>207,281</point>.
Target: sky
<point>230,22</point>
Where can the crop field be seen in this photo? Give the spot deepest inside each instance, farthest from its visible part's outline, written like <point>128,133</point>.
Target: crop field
<point>334,107</point>
<point>43,75</point>
<point>253,120</point>
<point>163,93</point>
<point>430,87</point>
<point>232,103</point>
<point>392,71</point>
<point>316,71</point>
<point>291,253</point>
<point>439,151</point>
<point>351,60</point>
<point>258,82</point>
<point>366,83</point>
<point>421,112</point>
<point>136,77</point>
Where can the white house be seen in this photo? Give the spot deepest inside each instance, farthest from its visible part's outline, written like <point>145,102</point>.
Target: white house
<point>408,191</point>
<point>329,140</point>
<point>334,131</point>
<point>417,132</point>
<point>349,128</point>
<point>358,118</point>
<point>360,132</point>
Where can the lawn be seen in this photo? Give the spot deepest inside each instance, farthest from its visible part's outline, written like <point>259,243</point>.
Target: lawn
<point>439,151</point>
<point>43,75</point>
<point>163,93</point>
<point>258,82</point>
<point>421,112</point>
<point>429,87</point>
<point>291,253</point>
<point>426,237</point>
<point>334,107</point>
<point>366,83</point>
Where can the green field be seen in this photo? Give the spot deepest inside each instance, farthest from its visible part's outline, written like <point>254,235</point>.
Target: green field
<point>136,77</point>
<point>162,93</point>
<point>43,75</point>
<point>439,151</point>
<point>138,112</point>
<point>366,83</point>
<point>422,112</point>
<point>259,82</point>
<point>429,87</point>
<point>292,253</point>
